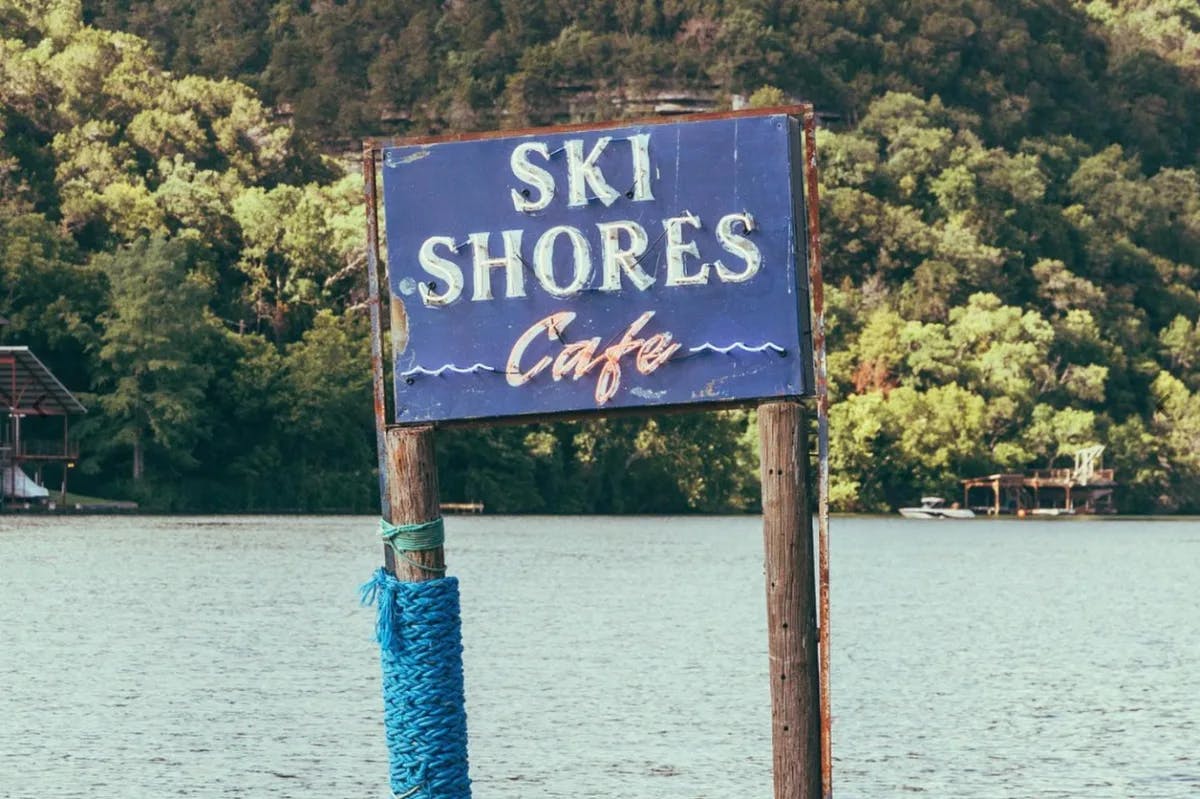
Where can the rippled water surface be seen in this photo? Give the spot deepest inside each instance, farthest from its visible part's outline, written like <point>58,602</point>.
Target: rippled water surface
<point>605,657</point>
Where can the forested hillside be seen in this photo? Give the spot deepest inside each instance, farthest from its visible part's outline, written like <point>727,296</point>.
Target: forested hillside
<point>1010,208</point>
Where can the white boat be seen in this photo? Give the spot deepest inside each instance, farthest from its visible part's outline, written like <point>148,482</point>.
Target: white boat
<point>935,508</point>
<point>1052,511</point>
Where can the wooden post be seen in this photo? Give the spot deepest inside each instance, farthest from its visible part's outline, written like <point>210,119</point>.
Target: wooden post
<point>412,487</point>
<point>381,447</point>
<point>62,498</point>
<point>791,601</point>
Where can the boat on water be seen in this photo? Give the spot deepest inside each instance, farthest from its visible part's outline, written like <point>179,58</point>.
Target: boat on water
<point>1052,512</point>
<point>936,508</point>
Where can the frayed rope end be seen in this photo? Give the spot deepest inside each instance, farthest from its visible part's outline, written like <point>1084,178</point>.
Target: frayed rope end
<point>381,590</point>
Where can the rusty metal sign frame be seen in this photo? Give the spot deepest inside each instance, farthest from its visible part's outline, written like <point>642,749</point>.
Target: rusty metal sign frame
<point>820,370</point>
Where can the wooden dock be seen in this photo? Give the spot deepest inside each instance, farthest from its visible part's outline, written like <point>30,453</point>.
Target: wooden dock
<point>461,507</point>
<point>1086,488</point>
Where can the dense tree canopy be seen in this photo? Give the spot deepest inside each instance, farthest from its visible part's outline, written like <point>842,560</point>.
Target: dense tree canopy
<point>1010,208</point>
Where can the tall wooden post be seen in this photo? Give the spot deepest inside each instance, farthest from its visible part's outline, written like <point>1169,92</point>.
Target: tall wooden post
<point>412,487</point>
<point>62,497</point>
<point>370,197</point>
<point>791,601</point>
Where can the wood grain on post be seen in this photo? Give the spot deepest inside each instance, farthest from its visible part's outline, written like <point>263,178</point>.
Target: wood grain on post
<point>412,487</point>
<point>791,601</point>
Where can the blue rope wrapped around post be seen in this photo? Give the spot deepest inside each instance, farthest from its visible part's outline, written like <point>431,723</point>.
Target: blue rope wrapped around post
<point>420,639</point>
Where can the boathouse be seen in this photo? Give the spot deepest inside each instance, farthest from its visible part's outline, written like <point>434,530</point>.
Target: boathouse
<point>1084,488</point>
<point>32,401</point>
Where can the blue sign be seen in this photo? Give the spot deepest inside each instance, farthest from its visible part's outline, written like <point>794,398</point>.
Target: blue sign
<point>585,270</point>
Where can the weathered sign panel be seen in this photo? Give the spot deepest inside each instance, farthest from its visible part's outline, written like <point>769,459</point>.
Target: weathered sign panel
<point>585,270</point>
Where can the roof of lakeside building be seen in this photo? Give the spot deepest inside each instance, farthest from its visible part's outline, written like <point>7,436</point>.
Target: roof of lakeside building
<point>28,387</point>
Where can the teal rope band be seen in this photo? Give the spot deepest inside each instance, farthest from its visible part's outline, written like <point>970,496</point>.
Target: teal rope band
<point>421,537</point>
<point>414,537</point>
<point>420,642</point>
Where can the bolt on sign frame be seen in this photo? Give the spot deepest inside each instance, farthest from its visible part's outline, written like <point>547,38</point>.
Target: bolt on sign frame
<point>653,265</point>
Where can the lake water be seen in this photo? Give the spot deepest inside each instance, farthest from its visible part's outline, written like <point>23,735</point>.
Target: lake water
<point>605,657</point>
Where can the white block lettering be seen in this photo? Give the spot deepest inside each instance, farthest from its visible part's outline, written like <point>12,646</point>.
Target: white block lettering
<point>615,260</point>
<point>543,260</point>
<point>676,249</point>
<point>737,244</point>
<point>439,267</point>
<point>510,262</point>
<point>535,176</point>
<point>641,167</point>
<point>583,173</point>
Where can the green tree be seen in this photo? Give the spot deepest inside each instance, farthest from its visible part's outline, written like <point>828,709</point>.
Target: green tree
<point>152,387</point>
<point>49,296</point>
<point>288,251</point>
<point>1176,427</point>
<point>1180,342</point>
<point>328,441</point>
